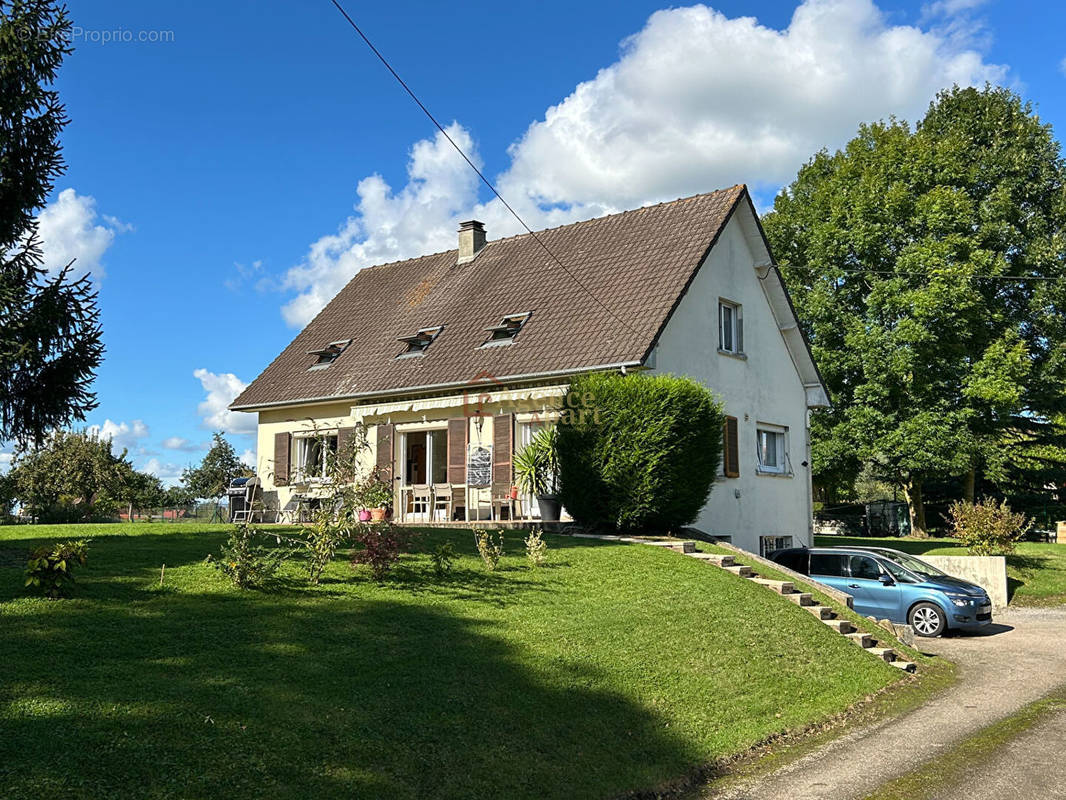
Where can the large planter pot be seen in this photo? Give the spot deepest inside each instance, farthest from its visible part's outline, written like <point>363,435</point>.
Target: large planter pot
<point>378,514</point>
<point>550,507</point>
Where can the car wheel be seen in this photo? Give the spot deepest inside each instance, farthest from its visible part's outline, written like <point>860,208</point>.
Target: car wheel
<point>927,619</point>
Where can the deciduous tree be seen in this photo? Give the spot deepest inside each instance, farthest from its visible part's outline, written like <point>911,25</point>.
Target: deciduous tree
<point>902,252</point>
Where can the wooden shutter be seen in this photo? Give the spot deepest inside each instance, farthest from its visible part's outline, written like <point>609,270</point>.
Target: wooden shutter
<point>386,432</point>
<point>343,437</point>
<point>282,449</point>
<point>740,328</point>
<point>502,444</point>
<point>457,433</point>
<point>730,448</point>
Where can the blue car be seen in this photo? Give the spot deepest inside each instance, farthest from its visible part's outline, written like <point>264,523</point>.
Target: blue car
<point>888,584</point>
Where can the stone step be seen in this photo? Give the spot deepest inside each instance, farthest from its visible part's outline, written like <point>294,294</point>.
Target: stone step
<point>781,587</point>
<point>801,598</point>
<point>714,558</point>
<point>681,547</point>
<point>886,653</point>
<point>839,625</point>
<point>864,640</point>
<point>741,570</point>
<point>822,612</point>
<point>906,666</point>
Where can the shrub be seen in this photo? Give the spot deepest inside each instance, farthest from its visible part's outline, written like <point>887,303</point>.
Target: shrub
<point>51,568</point>
<point>536,466</point>
<point>489,547</point>
<point>246,563</point>
<point>379,546</point>
<point>642,453</point>
<point>536,548</point>
<point>443,558</point>
<point>987,528</point>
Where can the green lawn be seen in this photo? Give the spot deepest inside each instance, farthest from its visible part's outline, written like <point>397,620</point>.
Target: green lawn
<point>1036,573</point>
<point>617,667</point>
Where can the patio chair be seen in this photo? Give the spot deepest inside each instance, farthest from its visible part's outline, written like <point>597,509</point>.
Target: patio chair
<point>442,501</point>
<point>501,499</point>
<point>421,501</point>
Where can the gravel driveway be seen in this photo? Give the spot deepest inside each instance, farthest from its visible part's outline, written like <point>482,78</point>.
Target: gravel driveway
<point>1020,658</point>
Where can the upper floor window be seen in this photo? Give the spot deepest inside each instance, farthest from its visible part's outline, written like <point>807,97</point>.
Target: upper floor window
<point>418,343</point>
<point>730,328</point>
<point>328,354</point>
<point>507,330</point>
<point>772,449</point>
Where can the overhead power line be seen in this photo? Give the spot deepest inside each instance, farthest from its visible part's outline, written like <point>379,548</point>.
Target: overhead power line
<point>472,166</point>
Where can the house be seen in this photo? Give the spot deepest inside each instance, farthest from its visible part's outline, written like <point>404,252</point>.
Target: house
<point>453,361</point>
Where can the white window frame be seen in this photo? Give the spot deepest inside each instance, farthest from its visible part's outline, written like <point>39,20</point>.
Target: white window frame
<point>405,479</point>
<point>780,437</point>
<point>734,327</point>
<point>304,442</point>
<point>767,544</point>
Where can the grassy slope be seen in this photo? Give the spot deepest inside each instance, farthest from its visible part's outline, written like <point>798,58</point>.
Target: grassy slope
<point>616,667</point>
<point>1036,573</point>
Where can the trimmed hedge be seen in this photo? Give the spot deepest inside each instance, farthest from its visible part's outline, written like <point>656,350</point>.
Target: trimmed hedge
<point>638,452</point>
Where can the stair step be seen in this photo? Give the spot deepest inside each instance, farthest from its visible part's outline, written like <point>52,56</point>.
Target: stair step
<point>741,570</point>
<point>864,640</point>
<point>906,666</point>
<point>714,558</point>
<point>839,625</point>
<point>886,653</point>
<point>822,612</point>
<point>681,547</point>
<point>781,587</point>
<point>801,598</point>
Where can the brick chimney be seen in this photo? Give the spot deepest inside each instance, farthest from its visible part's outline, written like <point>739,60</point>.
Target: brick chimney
<point>471,240</point>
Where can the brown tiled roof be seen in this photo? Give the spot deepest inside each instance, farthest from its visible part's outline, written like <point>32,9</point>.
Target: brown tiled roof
<point>637,263</point>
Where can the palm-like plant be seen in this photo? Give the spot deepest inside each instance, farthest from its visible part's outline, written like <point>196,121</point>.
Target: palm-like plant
<point>536,465</point>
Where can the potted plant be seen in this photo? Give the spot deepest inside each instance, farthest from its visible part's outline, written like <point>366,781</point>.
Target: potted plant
<point>377,496</point>
<point>536,469</point>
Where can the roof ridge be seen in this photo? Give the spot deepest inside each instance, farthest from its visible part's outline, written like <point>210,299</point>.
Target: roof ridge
<point>724,190</point>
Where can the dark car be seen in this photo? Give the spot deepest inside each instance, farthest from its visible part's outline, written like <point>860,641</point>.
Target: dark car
<point>888,584</point>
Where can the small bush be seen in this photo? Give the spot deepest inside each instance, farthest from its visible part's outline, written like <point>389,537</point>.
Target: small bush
<point>638,451</point>
<point>536,548</point>
<point>379,546</point>
<point>51,568</point>
<point>987,528</point>
<point>246,563</point>
<point>443,558</point>
<point>489,547</point>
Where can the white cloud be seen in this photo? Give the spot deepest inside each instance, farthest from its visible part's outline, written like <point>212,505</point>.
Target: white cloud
<point>182,444</point>
<point>5,462</point>
<point>123,435</point>
<point>221,389</point>
<point>248,458</point>
<point>168,473</point>
<point>696,101</point>
<point>68,229</point>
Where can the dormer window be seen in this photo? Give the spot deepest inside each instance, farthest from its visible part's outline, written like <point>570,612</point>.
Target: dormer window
<point>507,330</point>
<point>419,342</point>
<point>328,354</point>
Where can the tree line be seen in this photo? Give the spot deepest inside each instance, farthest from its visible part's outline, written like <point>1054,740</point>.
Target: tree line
<point>75,476</point>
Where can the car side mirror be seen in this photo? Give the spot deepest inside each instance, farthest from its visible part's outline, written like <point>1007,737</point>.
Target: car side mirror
<point>886,580</point>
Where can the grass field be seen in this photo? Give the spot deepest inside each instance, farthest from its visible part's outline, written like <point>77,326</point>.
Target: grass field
<point>615,668</point>
<point>1036,573</point>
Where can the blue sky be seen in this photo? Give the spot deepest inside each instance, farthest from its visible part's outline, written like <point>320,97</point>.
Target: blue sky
<point>228,175</point>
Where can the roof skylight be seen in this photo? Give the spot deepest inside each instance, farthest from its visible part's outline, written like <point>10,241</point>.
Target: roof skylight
<point>328,354</point>
<point>507,330</point>
<point>419,342</point>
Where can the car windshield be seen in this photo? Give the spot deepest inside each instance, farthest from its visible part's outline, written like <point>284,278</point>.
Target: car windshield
<point>915,565</point>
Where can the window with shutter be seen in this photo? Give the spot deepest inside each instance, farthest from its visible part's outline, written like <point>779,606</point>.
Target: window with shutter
<point>730,448</point>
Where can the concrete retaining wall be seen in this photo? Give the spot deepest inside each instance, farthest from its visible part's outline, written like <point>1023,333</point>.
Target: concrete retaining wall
<point>988,572</point>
